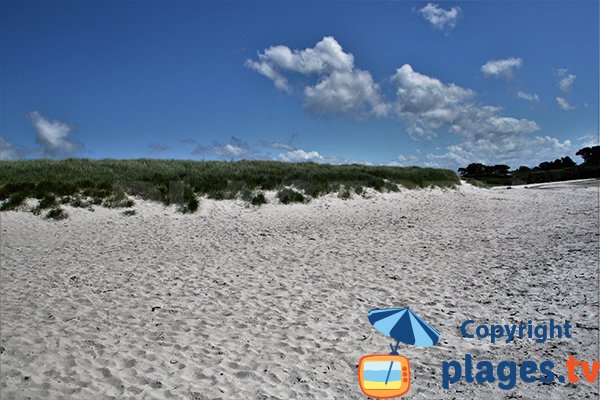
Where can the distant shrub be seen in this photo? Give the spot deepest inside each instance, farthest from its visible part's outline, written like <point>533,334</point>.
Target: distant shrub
<point>309,188</point>
<point>57,214</point>
<point>49,200</point>
<point>408,184</point>
<point>15,201</point>
<point>359,190</point>
<point>190,202</point>
<point>376,183</point>
<point>118,200</point>
<point>287,196</point>
<point>391,187</point>
<point>254,197</point>
<point>192,205</point>
<point>344,194</point>
<point>26,188</point>
<point>216,195</point>
<point>77,201</point>
<point>258,199</point>
<point>128,213</point>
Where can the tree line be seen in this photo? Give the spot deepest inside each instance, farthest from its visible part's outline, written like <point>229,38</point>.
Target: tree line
<point>560,169</point>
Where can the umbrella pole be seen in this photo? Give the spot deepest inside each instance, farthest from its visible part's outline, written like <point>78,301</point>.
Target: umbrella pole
<point>394,352</point>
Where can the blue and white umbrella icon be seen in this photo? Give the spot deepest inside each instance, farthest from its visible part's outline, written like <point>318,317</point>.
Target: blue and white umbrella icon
<point>404,326</point>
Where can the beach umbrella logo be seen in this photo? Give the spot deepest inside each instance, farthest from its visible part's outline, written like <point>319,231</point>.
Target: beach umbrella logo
<point>388,375</point>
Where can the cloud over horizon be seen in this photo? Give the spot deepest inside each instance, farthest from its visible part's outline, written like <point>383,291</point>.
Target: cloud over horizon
<point>423,104</point>
<point>8,151</point>
<point>235,149</point>
<point>426,104</point>
<point>54,137</point>
<point>299,155</point>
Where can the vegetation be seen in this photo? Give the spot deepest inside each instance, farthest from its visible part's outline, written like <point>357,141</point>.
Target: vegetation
<point>57,214</point>
<point>258,199</point>
<point>49,200</point>
<point>287,196</point>
<point>13,201</point>
<point>561,169</point>
<point>85,182</point>
<point>344,193</point>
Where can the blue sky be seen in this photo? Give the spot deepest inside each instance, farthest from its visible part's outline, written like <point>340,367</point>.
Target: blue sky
<point>402,83</point>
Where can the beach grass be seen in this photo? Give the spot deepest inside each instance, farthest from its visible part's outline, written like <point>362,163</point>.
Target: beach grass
<point>110,182</point>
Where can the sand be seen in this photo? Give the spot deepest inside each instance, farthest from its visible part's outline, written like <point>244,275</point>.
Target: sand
<point>238,302</point>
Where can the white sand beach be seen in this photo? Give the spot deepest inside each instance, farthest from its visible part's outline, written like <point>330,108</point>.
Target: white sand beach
<point>237,302</point>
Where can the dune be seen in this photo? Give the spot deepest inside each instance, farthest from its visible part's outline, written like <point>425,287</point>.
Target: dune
<point>237,302</point>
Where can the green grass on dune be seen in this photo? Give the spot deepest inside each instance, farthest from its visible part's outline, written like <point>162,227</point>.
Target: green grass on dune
<point>179,181</point>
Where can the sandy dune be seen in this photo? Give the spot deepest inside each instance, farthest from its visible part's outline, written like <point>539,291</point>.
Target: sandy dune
<point>246,303</point>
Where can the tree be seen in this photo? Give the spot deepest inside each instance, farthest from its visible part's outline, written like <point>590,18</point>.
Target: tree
<point>559,163</point>
<point>523,169</point>
<point>590,155</point>
<point>498,169</point>
<point>473,169</point>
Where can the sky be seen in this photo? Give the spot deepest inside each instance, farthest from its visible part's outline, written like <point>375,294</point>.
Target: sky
<point>382,82</point>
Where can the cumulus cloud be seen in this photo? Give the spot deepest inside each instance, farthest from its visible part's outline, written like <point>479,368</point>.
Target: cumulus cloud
<point>510,150</point>
<point>53,136</point>
<point>8,151</point>
<point>565,79</point>
<point>532,97</point>
<point>235,149</point>
<point>340,87</point>
<point>440,18</point>
<point>501,68</point>
<point>300,155</point>
<point>564,104</point>
<point>426,104</point>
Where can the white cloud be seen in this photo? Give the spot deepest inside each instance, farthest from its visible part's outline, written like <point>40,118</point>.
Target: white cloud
<point>236,148</point>
<point>344,92</point>
<point>438,17</point>
<point>340,87</point>
<point>566,79</point>
<point>533,97</point>
<point>54,136</point>
<point>501,68</point>
<point>277,145</point>
<point>564,104</point>
<point>7,150</point>
<point>300,155</point>
<point>513,150</point>
<point>426,105</point>
<point>588,141</point>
